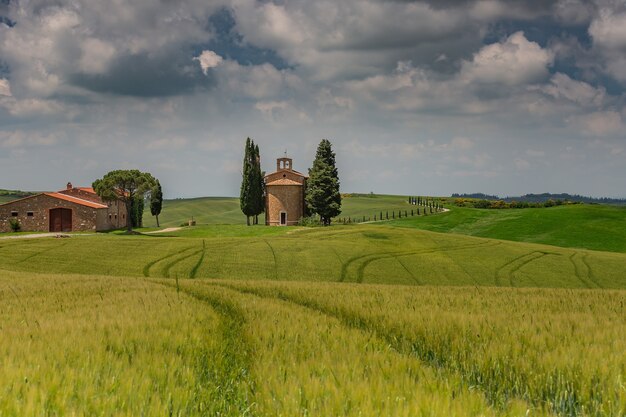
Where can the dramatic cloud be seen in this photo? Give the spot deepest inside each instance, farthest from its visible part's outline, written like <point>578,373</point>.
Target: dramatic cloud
<point>424,97</point>
<point>513,61</point>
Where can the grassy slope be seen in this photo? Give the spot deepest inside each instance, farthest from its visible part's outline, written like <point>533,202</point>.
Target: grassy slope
<point>205,210</point>
<point>6,199</point>
<point>358,253</point>
<point>225,210</point>
<point>596,227</point>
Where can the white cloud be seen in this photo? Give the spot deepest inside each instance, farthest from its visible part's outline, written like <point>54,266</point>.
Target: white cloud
<point>20,139</point>
<point>514,61</point>
<point>257,81</point>
<point>573,12</point>
<point>609,29</point>
<point>330,40</point>
<point>562,86</point>
<point>208,59</point>
<point>5,87</point>
<point>33,107</point>
<point>601,123</point>
<point>96,56</point>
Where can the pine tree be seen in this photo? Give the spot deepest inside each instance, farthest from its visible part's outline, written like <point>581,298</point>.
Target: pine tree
<point>156,201</point>
<point>247,183</point>
<point>322,192</point>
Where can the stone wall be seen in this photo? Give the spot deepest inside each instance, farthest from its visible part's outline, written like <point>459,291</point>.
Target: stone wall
<point>284,198</point>
<point>83,218</point>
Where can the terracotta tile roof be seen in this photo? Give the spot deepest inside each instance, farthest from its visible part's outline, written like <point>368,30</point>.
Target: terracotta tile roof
<point>87,189</point>
<point>283,181</point>
<point>76,200</point>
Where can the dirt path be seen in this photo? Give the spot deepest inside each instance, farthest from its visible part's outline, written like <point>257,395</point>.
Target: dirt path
<point>38,235</point>
<point>167,230</point>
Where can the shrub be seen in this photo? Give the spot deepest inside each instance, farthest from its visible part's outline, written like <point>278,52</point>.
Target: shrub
<point>15,225</point>
<point>309,221</point>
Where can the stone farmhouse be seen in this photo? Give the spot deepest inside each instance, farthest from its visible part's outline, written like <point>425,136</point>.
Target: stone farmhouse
<point>284,195</point>
<point>68,210</point>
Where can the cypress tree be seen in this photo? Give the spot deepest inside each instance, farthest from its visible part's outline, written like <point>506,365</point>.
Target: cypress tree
<point>156,201</point>
<point>136,211</point>
<point>256,178</point>
<point>322,191</point>
<point>245,195</point>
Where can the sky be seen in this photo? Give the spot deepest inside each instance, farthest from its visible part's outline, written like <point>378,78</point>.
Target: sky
<point>427,97</point>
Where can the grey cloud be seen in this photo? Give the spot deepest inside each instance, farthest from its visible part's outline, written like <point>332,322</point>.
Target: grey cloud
<point>146,76</point>
<point>399,81</point>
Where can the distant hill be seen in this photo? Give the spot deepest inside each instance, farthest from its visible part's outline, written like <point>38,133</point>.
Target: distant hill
<point>542,198</point>
<point>9,195</point>
<point>226,210</point>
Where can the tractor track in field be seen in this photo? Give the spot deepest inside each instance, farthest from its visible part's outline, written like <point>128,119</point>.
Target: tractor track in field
<point>274,257</point>
<point>170,265</point>
<point>582,270</point>
<point>149,265</point>
<point>591,275</point>
<point>369,258</point>
<point>420,348</point>
<point>39,253</point>
<point>413,276</point>
<point>508,270</point>
<point>230,368</point>
<point>194,270</point>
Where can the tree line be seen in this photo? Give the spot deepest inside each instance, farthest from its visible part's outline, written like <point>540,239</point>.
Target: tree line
<point>501,204</point>
<point>542,198</point>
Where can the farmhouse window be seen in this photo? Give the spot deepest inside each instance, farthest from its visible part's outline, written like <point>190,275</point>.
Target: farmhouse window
<point>14,213</point>
<point>30,214</point>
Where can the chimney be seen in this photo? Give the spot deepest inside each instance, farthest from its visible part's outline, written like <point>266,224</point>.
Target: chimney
<point>69,186</point>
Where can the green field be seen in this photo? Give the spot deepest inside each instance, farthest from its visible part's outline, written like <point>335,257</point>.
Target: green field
<point>597,227</point>
<point>101,345</point>
<point>204,210</point>
<point>586,226</point>
<point>226,210</point>
<point>369,253</point>
<point>233,320</point>
<point>6,199</point>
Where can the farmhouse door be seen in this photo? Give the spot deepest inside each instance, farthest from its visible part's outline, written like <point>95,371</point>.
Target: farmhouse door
<point>283,218</point>
<point>60,220</point>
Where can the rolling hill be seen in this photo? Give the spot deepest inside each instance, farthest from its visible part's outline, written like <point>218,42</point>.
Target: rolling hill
<point>234,320</point>
<point>588,226</point>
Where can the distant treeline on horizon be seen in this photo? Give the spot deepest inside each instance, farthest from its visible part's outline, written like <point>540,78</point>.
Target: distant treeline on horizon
<point>542,198</point>
<point>15,193</point>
